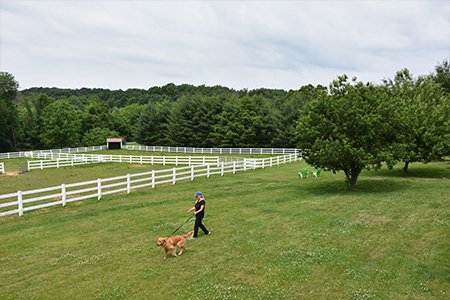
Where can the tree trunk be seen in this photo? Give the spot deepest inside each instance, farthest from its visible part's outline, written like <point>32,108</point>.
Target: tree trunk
<point>352,176</point>
<point>405,167</point>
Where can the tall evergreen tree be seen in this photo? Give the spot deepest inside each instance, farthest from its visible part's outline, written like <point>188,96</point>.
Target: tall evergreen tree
<point>8,112</point>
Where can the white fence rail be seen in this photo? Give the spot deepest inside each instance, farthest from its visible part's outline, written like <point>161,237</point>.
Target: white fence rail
<point>2,168</point>
<point>23,201</point>
<point>214,150</point>
<point>48,153</point>
<point>64,160</point>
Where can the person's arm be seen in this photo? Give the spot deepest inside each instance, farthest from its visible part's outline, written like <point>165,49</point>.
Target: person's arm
<point>201,208</point>
<point>191,209</point>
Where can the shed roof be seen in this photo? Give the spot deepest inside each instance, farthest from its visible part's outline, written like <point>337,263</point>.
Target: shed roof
<point>114,140</point>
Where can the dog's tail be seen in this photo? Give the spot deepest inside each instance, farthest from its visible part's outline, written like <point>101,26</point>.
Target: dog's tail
<point>189,234</point>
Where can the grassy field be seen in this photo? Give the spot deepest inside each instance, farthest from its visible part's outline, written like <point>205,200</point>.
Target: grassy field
<point>36,179</point>
<point>274,236</point>
<point>14,181</point>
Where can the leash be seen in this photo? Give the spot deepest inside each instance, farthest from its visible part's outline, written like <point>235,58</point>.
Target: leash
<point>183,224</point>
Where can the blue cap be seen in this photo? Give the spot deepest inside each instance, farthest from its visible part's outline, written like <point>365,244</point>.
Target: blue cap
<point>198,194</point>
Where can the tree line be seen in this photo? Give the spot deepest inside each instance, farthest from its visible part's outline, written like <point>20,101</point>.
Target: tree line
<point>349,125</point>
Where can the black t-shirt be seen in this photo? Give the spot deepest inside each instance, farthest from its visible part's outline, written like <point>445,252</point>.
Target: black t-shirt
<point>197,207</point>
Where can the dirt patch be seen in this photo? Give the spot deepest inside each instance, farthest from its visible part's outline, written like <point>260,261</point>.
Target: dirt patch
<point>138,166</point>
<point>12,173</point>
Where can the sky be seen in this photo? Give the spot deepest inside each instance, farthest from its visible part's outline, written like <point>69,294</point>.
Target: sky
<point>119,44</point>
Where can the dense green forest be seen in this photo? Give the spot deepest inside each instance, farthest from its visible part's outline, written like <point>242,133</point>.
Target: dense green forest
<point>217,116</point>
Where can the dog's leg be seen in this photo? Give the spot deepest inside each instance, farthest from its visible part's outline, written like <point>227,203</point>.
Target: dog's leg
<point>165,252</point>
<point>182,247</point>
<point>174,251</point>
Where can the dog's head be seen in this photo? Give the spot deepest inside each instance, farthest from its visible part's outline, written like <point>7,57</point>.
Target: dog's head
<point>160,241</point>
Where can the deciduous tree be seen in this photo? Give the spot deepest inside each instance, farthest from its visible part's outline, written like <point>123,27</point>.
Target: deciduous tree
<point>347,130</point>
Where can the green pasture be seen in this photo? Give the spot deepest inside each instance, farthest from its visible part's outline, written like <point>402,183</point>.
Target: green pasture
<point>35,179</point>
<point>273,236</point>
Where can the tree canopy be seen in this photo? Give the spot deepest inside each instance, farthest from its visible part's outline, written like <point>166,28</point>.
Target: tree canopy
<point>347,129</point>
<point>348,126</point>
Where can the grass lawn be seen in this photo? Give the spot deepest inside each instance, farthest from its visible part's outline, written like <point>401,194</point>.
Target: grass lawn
<point>13,181</point>
<point>36,179</point>
<point>274,236</point>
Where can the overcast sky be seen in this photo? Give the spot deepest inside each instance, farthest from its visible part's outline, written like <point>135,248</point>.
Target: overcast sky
<point>239,44</point>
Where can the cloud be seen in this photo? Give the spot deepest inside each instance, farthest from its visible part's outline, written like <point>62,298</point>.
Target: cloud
<point>241,44</point>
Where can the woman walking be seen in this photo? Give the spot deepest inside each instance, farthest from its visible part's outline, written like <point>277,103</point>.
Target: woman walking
<point>199,211</point>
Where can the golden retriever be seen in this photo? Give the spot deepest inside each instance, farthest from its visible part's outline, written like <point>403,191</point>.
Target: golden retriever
<point>171,243</point>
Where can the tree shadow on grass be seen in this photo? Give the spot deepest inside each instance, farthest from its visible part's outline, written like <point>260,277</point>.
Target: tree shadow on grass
<point>363,186</point>
<point>431,171</point>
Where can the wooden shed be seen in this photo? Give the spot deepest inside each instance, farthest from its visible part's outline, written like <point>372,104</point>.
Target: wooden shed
<point>114,143</point>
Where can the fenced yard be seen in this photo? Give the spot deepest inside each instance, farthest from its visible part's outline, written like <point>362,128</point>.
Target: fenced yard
<point>274,236</point>
<point>65,193</point>
<point>239,151</point>
<point>69,160</point>
<point>47,153</point>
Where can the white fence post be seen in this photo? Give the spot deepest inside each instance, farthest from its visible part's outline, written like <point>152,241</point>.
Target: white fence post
<point>20,203</point>
<point>153,179</point>
<point>192,172</point>
<point>207,170</point>
<point>57,163</point>
<point>63,195</point>
<point>41,165</point>
<point>128,184</point>
<point>99,188</point>
<point>234,167</point>
<point>174,178</point>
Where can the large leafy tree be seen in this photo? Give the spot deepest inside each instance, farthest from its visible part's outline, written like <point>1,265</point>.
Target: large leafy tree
<point>61,125</point>
<point>97,136</point>
<point>126,120</point>
<point>30,121</point>
<point>347,130</point>
<point>442,76</point>
<point>291,107</point>
<point>8,111</point>
<point>422,118</point>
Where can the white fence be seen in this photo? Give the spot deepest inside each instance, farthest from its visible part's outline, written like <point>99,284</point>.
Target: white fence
<point>2,168</point>
<point>47,153</point>
<point>23,201</point>
<point>214,150</point>
<point>64,160</point>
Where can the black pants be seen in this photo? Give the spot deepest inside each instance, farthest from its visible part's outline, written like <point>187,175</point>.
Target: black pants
<point>198,223</point>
